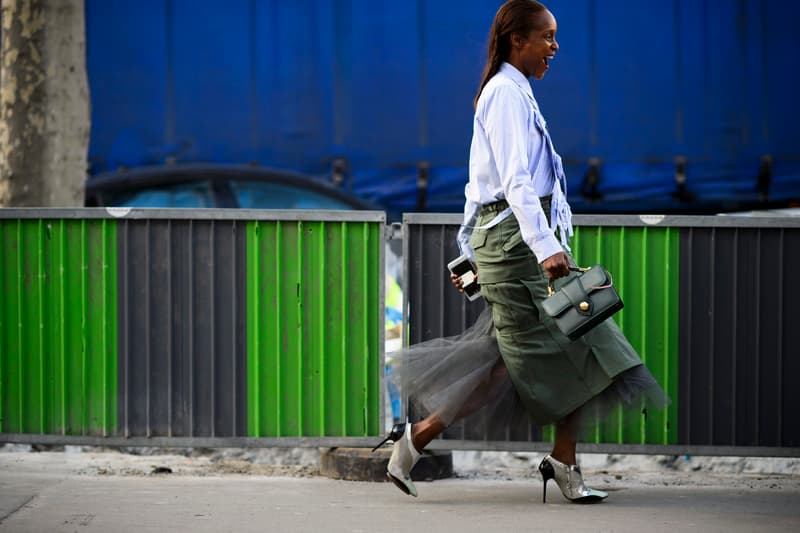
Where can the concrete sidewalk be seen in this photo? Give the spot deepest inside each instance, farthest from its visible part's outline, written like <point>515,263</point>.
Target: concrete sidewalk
<point>94,492</point>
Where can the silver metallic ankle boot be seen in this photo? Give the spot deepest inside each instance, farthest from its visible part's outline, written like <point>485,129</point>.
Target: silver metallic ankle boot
<point>570,480</point>
<point>404,457</point>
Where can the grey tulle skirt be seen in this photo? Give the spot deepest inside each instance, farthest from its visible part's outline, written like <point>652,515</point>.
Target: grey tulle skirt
<point>463,378</point>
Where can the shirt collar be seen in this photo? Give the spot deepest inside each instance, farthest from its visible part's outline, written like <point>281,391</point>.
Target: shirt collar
<point>510,71</point>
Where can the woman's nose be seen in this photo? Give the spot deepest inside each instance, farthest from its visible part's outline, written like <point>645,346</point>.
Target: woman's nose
<point>555,45</point>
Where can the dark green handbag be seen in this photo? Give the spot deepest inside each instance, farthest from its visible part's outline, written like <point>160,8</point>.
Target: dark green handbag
<point>582,302</point>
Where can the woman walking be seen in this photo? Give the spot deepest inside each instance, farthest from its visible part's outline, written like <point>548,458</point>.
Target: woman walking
<point>517,225</point>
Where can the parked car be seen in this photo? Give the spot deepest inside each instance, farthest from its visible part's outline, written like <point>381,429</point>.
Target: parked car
<point>222,186</point>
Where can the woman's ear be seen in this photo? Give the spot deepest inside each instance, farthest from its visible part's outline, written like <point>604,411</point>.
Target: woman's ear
<point>516,40</point>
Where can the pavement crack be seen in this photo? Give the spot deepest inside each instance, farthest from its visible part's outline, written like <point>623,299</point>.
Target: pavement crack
<point>26,502</point>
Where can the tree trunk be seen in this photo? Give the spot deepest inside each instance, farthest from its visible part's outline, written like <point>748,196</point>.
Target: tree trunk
<point>44,103</point>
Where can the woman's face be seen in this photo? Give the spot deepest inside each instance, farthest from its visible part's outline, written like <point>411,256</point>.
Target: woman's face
<point>539,48</point>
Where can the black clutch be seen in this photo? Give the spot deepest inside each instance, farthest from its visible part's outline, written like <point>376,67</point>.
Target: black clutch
<point>583,302</point>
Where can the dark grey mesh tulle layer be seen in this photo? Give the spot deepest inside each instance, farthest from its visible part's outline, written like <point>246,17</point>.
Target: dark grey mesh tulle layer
<point>463,377</point>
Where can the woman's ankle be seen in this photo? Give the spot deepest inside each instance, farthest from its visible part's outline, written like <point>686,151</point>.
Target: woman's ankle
<point>564,457</point>
<point>424,431</point>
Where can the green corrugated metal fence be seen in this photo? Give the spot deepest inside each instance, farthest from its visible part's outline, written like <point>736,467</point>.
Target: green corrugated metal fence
<point>58,327</point>
<point>300,297</point>
<point>313,328</point>
<point>644,264</point>
<point>314,318</point>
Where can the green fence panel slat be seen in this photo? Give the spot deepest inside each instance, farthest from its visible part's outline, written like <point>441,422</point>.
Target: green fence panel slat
<point>313,328</point>
<point>374,299</point>
<point>313,356</point>
<point>644,263</point>
<point>30,311</point>
<point>254,334</point>
<point>334,326</point>
<point>358,331</point>
<point>291,340</point>
<point>10,341</point>
<point>58,346</point>
<point>100,301</point>
<point>264,278</point>
<point>74,311</point>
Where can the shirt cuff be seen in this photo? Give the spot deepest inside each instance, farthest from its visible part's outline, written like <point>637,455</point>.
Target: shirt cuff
<point>462,239</point>
<point>545,246</point>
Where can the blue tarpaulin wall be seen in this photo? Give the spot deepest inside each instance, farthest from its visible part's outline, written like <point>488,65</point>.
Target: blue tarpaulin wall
<point>386,84</point>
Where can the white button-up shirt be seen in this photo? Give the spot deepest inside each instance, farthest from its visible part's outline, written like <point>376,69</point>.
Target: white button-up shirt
<point>512,158</point>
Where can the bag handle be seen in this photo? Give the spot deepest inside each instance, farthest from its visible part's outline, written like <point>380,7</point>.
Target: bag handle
<point>551,289</point>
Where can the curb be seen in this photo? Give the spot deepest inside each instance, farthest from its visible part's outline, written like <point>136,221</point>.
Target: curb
<point>360,464</point>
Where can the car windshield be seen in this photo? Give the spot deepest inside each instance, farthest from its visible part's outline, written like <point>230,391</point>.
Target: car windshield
<point>261,195</point>
<point>247,194</point>
<point>194,194</point>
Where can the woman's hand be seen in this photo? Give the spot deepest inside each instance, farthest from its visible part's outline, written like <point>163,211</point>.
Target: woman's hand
<point>457,279</point>
<point>556,266</point>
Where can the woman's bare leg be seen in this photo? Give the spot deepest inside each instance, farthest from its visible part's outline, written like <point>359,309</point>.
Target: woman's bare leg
<point>427,429</point>
<point>566,439</point>
<point>424,431</point>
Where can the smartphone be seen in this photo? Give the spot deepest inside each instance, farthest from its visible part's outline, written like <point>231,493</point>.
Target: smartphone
<point>462,267</point>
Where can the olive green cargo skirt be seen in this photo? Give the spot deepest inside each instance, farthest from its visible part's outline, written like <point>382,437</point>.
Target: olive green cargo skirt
<point>552,375</point>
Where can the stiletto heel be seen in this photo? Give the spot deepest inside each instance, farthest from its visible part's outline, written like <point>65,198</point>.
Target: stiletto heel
<point>394,435</point>
<point>570,480</point>
<point>404,457</point>
<point>546,469</point>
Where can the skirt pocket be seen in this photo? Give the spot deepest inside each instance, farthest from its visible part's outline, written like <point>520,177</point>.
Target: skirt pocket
<point>477,240</point>
<point>514,240</point>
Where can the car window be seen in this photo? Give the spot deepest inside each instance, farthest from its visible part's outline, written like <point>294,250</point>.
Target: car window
<point>195,194</point>
<point>260,195</point>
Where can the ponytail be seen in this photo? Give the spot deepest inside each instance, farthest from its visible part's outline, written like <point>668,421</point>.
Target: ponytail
<point>492,64</point>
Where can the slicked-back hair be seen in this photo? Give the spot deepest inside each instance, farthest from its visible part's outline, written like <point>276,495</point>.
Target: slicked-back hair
<point>515,16</point>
